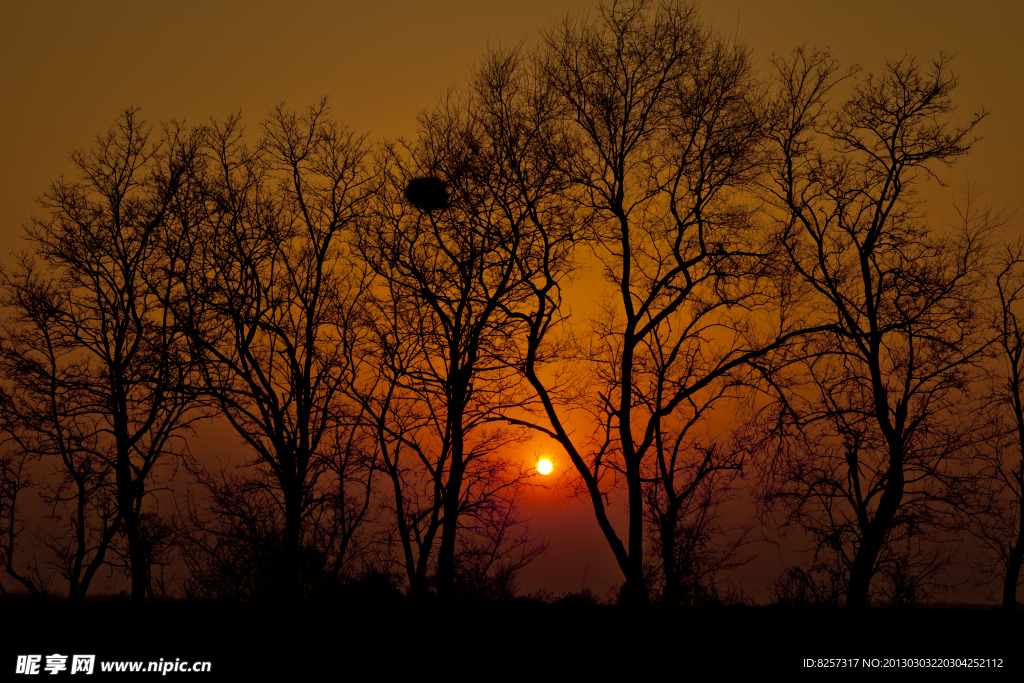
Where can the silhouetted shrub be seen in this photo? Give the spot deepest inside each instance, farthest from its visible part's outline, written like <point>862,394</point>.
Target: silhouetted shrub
<point>585,598</point>
<point>902,587</point>
<point>372,587</point>
<point>816,587</point>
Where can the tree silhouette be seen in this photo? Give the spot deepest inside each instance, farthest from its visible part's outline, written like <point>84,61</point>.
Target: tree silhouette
<point>872,435</point>
<point>14,481</point>
<point>48,419</point>
<point>663,122</point>
<point>406,418</point>
<point>453,263</point>
<point>1001,527</point>
<point>109,360</point>
<point>268,302</point>
<point>384,326</point>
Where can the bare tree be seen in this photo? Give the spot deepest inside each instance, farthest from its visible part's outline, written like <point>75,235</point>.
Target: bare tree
<point>15,481</point>
<point>685,501</point>
<point>268,302</point>
<point>110,362</point>
<point>392,415</point>
<point>48,419</point>
<point>461,237</point>
<point>1002,525</point>
<point>492,543</point>
<point>663,123</point>
<point>872,443</point>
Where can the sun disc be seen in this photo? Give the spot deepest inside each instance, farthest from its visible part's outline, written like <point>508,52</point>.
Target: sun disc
<point>544,466</point>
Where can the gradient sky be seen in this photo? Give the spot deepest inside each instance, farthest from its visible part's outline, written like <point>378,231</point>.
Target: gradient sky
<point>68,68</point>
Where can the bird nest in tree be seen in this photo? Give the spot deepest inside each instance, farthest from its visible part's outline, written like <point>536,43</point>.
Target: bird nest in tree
<point>427,194</point>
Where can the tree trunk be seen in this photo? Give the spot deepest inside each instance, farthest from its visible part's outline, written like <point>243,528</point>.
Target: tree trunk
<point>670,594</point>
<point>634,591</point>
<point>452,496</point>
<point>1013,565</point>
<point>289,588</point>
<point>873,538</point>
<point>126,499</point>
<point>862,571</point>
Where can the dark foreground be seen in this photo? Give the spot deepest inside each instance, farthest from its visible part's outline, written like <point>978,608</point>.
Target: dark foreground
<point>508,641</point>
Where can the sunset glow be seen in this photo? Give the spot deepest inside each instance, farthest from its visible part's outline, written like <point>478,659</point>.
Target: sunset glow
<point>290,297</point>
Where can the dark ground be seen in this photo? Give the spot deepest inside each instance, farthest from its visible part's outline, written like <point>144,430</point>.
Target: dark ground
<point>517,640</point>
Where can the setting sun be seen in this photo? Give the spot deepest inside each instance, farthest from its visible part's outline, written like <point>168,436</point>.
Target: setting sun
<point>544,466</point>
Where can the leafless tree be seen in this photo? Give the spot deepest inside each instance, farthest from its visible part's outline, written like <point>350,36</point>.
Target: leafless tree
<point>872,443</point>
<point>1001,527</point>
<point>664,125</point>
<point>15,481</point>
<point>406,418</point>
<point>47,420</point>
<point>689,535</point>
<point>454,251</point>
<point>231,540</point>
<point>268,301</point>
<point>88,328</point>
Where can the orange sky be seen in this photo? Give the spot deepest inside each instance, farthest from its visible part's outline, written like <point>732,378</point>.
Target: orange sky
<point>69,67</point>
